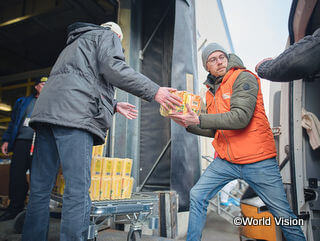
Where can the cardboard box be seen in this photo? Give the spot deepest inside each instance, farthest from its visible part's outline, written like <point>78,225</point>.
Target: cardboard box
<point>194,101</point>
<point>126,190</point>
<point>126,167</point>
<point>105,188</point>
<point>94,190</point>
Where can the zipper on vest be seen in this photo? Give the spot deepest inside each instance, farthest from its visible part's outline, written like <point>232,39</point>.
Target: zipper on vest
<point>215,105</point>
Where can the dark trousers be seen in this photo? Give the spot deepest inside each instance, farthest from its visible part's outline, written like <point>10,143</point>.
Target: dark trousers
<point>20,163</point>
<point>72,149</point>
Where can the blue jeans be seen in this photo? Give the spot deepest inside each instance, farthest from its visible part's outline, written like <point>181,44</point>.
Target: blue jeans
<point>72,148</point>
<point>263,177</point>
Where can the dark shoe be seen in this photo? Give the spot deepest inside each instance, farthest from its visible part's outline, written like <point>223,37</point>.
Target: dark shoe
<point>9,214</point>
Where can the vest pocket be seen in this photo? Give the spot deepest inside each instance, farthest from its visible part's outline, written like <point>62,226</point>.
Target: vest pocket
<point>245,145</point>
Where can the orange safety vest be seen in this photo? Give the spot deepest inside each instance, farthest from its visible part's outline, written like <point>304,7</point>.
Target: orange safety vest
<point>248,145</point>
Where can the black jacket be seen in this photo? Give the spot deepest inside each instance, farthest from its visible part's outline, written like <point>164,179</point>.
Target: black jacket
<point>80,89</point>
<point>300,60</point>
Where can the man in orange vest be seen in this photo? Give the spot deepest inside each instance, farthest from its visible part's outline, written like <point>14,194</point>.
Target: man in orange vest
<point>242,138</point>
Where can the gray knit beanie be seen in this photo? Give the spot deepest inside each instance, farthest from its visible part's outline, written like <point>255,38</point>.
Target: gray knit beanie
<point>209,49</point>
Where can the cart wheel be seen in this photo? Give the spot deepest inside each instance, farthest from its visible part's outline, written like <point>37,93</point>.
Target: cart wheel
<point>134,235</point>
<point>18,222</point>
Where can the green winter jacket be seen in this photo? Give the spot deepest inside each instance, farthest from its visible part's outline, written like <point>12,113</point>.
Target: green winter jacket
<point>242,103</point>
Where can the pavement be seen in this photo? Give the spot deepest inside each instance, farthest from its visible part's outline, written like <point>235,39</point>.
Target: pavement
<point>216,229</point>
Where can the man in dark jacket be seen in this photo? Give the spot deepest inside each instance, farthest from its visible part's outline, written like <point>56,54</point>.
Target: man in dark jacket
<point>18,139</point>
<point>74,113</point>
<point>242,138</point>
<point>300,60</point>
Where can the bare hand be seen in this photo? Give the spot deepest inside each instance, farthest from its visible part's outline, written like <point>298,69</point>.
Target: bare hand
<point>185,120</point>
<point>258,65</point>
<point>4,148</point>
<point>127,110</point>
<point>178,122</point>
<point>165,98</point>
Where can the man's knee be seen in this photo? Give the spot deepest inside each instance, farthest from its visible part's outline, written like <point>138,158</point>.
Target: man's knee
<point>194,194</point>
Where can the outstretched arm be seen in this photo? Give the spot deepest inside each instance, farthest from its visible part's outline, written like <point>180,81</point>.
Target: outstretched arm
<point>116,71</point>
<point>299,61</point>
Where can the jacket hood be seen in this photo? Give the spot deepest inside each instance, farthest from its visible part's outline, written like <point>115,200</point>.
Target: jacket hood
<point>78,28</point>
<point>233,62</point>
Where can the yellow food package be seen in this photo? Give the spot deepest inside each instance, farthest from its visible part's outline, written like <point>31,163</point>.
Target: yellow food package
<point>117,166</point>
<point>98,150</point>
<point>164,112</point>
<point>105,187</point>
<point>194,101</point>
<point>96,166</point>
<point>94,190</point>
<point>107,166</point>
<point>60,183</point>
<point>126,167</point>
<point>127,183</point>
<point>116,187</point>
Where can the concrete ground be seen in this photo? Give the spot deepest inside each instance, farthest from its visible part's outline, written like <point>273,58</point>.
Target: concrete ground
<point>216,229</point>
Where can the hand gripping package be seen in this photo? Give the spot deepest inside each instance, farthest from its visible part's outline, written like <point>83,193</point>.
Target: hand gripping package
<point>194,101</point>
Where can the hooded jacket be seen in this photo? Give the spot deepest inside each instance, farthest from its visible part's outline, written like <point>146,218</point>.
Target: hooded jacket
<point>80,89</point>
<point>236,116</point>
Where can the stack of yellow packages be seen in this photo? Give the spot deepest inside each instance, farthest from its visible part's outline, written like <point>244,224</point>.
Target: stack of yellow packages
<point>110,178</point>
<point>96,169</point>
<point>127,180</point>
<point>106,179</point>
<point>194,101</point>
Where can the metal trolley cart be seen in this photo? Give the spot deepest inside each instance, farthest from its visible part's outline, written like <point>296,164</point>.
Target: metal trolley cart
<point>139,209</point>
